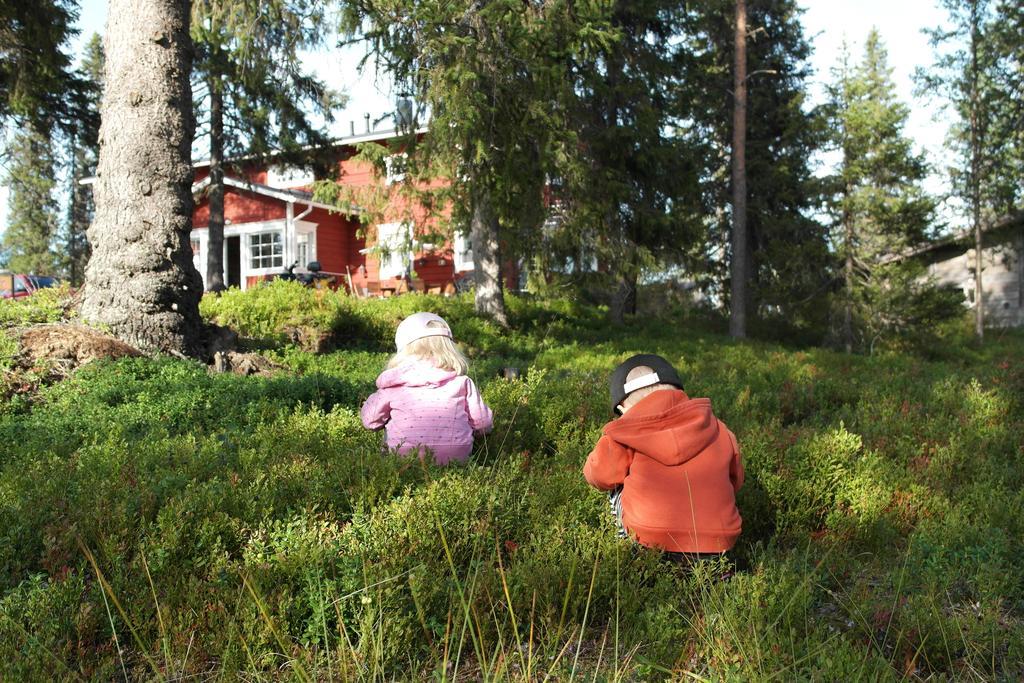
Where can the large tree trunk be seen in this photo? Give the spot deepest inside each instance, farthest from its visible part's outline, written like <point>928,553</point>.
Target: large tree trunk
<point>739,266</point>
<point>140,281</point>
<point>483,236</point>
<point>215,228</point>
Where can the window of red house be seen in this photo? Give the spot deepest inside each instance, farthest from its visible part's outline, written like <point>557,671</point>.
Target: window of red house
<point>266,250</point>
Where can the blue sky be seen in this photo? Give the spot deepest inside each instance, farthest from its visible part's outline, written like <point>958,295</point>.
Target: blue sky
<point>827,22</point>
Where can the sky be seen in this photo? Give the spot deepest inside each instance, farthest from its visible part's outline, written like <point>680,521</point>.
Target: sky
<point>828,23</point>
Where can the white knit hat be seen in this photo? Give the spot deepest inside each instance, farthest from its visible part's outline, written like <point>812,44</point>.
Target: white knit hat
<point>415,327</point>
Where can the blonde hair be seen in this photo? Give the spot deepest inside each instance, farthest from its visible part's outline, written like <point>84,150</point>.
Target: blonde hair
<point>643,392</point>
<point>440,351</point>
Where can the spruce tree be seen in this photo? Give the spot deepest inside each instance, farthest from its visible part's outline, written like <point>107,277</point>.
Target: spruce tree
<point>32,213</point>
<point>630,192</point>
<point>38,86</point>
<point>879,208</point>
<point>253,96</point>
<point>492,75</point>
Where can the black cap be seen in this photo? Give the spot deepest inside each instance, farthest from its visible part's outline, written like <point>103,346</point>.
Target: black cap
<point>666,375</point>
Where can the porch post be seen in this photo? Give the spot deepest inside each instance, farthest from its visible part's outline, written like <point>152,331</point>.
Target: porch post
<point>289,238</point>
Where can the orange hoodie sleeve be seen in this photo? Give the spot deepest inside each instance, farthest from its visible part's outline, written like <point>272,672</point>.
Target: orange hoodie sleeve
<point>608,464</point>
<point>736,466</point>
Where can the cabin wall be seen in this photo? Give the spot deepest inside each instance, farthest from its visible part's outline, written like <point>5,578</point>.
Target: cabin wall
<point>1002,278</point>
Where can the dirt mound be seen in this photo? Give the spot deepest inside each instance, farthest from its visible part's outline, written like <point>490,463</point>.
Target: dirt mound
<point>244,363</point>
<point>311,339</point>
<point>70,346</point>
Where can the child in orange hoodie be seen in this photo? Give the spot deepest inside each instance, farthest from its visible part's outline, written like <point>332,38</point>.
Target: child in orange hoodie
<point>672,468</point>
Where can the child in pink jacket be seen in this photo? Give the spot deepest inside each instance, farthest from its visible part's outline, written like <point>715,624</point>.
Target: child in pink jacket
<point>423,398</point>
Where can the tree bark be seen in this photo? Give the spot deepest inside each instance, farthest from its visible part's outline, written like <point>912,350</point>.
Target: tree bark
<point>140,281</point>
<point>848,274</point>
<point>74,211</point>
<point>215,228</point>
<point>975,189</point>
<point>483,235</point>
<point>739,266</point>
<point>623,301</point>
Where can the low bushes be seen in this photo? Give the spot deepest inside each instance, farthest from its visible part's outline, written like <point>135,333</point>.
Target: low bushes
<point>158,521</point>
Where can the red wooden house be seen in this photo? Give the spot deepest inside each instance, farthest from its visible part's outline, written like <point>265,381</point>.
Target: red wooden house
<point>271,221</point>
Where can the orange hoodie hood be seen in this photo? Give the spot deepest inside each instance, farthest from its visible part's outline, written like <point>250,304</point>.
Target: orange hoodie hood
<point>667,426</point>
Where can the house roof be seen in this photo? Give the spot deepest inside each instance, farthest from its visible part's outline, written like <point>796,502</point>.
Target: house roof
<point>292,196</point>
<point>1007,221</point>
<point>372,136</point>
<point>337,142</point>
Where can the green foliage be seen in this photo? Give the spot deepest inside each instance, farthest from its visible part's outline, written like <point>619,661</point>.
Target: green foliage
<point>630,188</point>
<point>157,520</point>
<point>37,84</point>
<point>790,272</point>
<point>45,306</point>
<point>32,226</point>
<point>976,73</point>
<point>879,211</point>
<point>495,78</point>
<point>248,54</point>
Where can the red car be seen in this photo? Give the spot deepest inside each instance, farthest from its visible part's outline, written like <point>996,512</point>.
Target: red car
<point>16,286</point>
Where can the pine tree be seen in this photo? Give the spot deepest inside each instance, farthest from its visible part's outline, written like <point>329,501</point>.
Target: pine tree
<point>253,95</point>
<point>83,153</point>
<point>740,256</point>
<point>879,208</point>
<point>977,71</point>
<point>32,219</point>
<point>788,265</point>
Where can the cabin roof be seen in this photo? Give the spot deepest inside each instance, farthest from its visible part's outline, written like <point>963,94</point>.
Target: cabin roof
<point>961,236</point>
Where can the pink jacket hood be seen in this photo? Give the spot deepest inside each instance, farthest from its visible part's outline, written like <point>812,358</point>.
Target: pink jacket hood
<point>415,373</point>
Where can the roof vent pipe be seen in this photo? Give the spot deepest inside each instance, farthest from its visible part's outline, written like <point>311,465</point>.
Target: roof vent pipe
<point>351,127</point>
<point>367,117</point>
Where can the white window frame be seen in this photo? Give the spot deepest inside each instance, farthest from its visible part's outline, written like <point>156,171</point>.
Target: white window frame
<point>285,177</point>
<point>250,255</point>
<point>393,236</point>
<point>391,177</point>
<point>462,252</point>
<point>242,231</point>
<point>307,230</point>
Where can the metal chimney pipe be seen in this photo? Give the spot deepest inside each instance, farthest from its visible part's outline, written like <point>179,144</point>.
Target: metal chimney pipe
<point>351,127</point>
<point>367,117</point>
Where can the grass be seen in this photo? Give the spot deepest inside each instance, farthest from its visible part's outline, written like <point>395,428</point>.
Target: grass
<point>159,522</point>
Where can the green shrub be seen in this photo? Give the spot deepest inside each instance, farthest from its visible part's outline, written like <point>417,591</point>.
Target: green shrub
<point>250,527</point>
<point>45,306</point>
